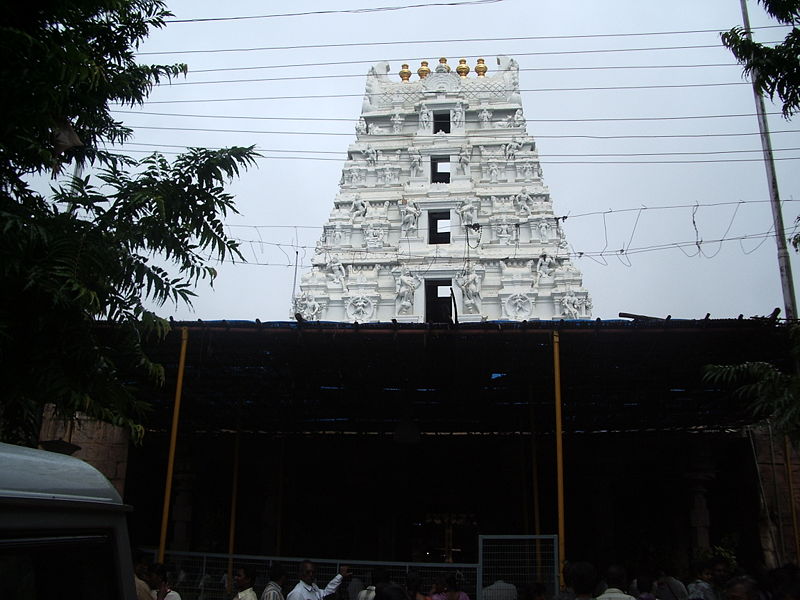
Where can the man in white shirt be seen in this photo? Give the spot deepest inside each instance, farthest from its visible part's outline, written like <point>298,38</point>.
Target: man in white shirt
<point>244,583</point>
<point>617,580</point>
<point>306,588</point>
<point>500,590</point>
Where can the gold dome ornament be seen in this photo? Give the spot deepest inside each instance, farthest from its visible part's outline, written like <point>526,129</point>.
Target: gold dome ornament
<point>424,70</point>
<point>481,68</point>
<point>405,73</point>
<point>443,67</point>
<point>463,68</point>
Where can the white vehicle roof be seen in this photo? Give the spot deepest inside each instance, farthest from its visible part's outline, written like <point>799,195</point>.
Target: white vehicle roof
<point>26,473</point>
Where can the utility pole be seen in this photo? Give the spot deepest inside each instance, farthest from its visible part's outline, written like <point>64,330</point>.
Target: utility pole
<point>787,283</point>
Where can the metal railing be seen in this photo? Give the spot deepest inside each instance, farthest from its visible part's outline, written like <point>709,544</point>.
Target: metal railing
<point>522,560</point>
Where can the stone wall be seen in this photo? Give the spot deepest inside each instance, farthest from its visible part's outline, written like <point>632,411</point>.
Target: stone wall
<point>102,445</point>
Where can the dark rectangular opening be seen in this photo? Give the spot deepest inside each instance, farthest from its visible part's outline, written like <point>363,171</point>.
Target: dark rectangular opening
<point>440,169</point>
<point>441,122</point>
<point>438,308</point>
<point>439,227</point>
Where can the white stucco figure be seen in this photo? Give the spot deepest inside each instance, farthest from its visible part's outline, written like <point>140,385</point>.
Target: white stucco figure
<point>519,306</point>
<point>468,211</point>
<point>307,307</point>
<point>410,213</point>
<point>571,305</point>
<point>463,159</point>
<point>470,284</point>
<point>397,123</point>
<point>360,308</point>
<point>361,126</point>
<point>510,149</point>
<point>485,118</point>
<point>358,208</point>
<point>370,155</point>
<point>416,161</point>
<point>457,116</point>
<point>494,172</point>
<point>545,267</point>
<point>518,119</point>
<point>527,171</point>
<point>544,230</point>
<point>425,117</point>
<point>407,284</point>
<point>336,272</point>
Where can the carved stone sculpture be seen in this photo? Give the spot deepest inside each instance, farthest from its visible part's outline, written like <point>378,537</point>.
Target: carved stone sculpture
<point>407,283</point>
<point>410,213</point>
<point>470,284</point>
<point>360,308</point>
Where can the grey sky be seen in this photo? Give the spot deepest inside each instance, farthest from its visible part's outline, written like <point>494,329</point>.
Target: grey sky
<point>287,200</point>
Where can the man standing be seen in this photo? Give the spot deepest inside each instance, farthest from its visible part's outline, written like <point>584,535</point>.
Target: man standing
<point>244,583</point>
<point>277,579</point>
<point>617,580</point>
<point>500,590</point>
<point>306,588</point>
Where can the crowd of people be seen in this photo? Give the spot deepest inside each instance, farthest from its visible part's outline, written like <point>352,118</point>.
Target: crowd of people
<point>711,580</point>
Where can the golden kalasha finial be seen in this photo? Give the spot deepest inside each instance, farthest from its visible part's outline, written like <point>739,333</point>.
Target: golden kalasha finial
<point>463,68</point>
<point>481,68</point>
<point>424,70</point>
<point>443,67</point>
<point>405,73</point>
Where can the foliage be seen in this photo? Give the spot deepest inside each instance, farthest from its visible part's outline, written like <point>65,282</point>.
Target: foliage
<point>774,395</point>
<point>773,70</point>
<point>79,264</point>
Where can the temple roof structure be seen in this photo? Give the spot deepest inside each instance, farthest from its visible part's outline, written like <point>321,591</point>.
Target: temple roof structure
<point>442,212</point>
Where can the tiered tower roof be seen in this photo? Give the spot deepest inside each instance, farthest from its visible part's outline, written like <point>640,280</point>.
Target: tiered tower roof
<point>442,212</point>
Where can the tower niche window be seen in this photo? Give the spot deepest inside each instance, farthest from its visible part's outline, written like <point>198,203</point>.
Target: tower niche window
<point>438,306</point>
<point>441,122</point>
<point>439,227</point>
<point>440,169</point>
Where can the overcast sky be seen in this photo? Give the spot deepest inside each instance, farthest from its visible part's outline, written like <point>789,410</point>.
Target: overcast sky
<point>615,190</point>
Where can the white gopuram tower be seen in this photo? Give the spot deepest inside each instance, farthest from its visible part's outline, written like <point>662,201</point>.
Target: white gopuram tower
<point>442,212</point>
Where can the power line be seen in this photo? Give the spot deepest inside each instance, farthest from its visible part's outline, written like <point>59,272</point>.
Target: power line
<point>333,11</point>
<point>553,137</point>
<point>546,161</point>
<point>570,217</point>
<point>537,90</point>
<point>450,261</point>
<point>550,53</point>
<point>361,75</point>
<point>598,68</point>
<point>585,120</point>
<point>450,41</point>
<point>545,156</point>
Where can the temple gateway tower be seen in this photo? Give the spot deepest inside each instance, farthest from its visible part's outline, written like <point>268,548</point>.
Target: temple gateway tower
<point>442,212</point>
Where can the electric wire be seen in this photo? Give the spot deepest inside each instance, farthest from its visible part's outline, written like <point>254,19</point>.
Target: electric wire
<point>547,161</point>
<point>453,41</point>
<point>537,90</point>
<point>546,156</point>
<point>361,75</point>
<point>336,11</point>
<point>583,120</point>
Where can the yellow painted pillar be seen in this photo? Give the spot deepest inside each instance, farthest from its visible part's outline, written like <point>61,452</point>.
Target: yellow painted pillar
<point>173,440</point>
<point>559,454</point>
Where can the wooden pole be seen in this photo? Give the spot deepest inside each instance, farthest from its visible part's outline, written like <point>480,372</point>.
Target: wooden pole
<point>173,440</point>
<point>559,454</point>
<point>787,449</point>
<point>234,500</point>
<point>537,524</point>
